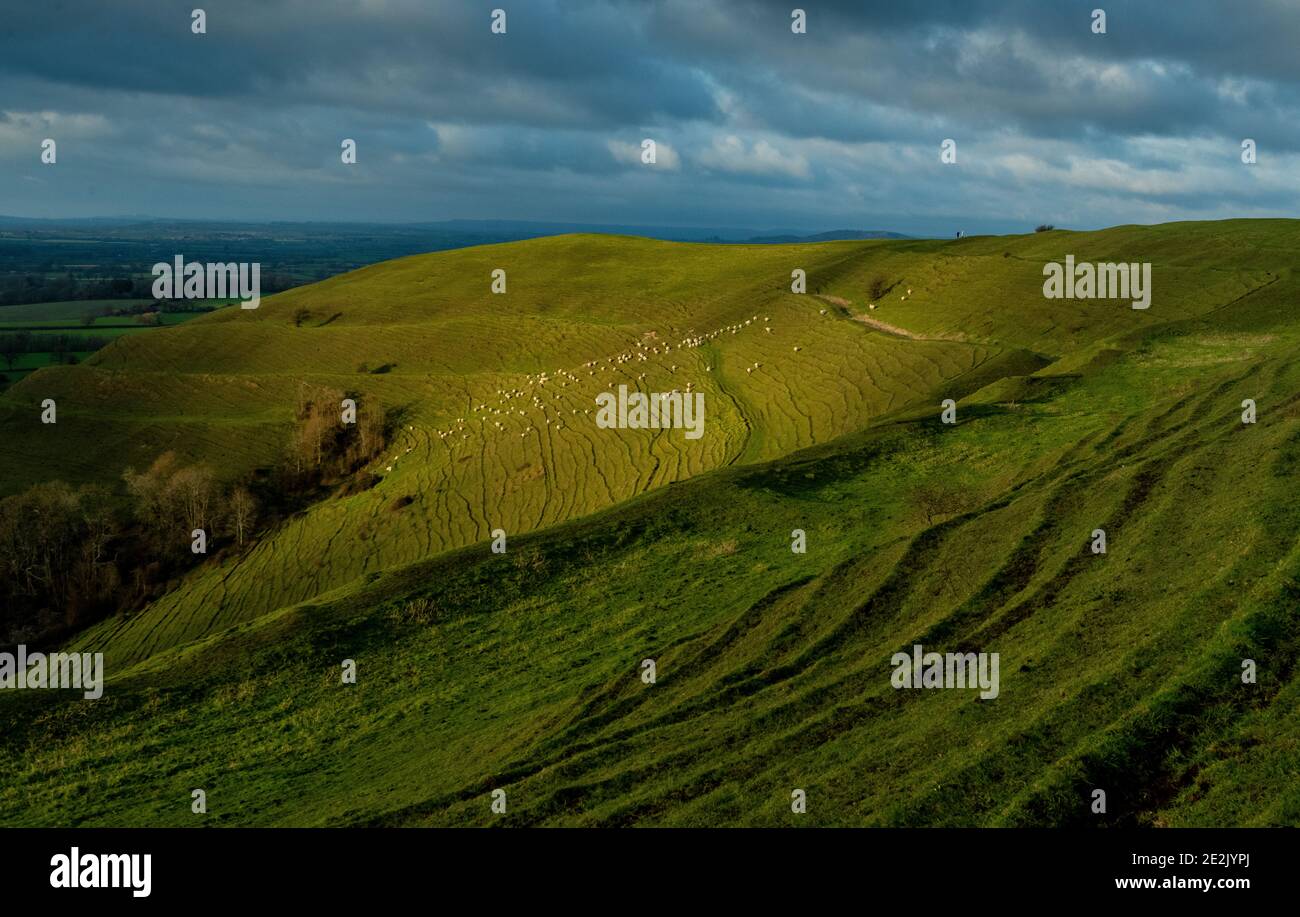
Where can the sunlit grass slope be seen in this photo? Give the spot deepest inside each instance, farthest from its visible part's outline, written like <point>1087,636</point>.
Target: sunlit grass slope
<point>1119,672</point>
<point>779,372</point>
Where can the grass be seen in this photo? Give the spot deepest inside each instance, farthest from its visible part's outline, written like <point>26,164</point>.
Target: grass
<point>521,671</point>
<point>231,378</point>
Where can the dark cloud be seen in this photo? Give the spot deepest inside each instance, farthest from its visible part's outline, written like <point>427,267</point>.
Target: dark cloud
<point>838,127</point>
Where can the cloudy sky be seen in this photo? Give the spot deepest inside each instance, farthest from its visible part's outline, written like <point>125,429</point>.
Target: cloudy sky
<point>755,126</point>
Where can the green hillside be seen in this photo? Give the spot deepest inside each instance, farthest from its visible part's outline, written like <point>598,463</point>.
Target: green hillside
<point>221,390</point>
<point>521,671</point>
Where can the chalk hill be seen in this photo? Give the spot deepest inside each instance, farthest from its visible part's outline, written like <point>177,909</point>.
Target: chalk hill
<point>521,671</point>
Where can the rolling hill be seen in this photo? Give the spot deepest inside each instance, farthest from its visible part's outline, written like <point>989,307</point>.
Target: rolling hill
<point>522,671</point>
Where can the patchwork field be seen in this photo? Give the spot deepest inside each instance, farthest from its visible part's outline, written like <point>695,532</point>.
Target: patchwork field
<point>521,671</point>
<point>55,322</point>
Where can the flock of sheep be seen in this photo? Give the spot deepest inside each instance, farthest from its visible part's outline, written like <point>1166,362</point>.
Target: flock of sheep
<point>538,401</point>
<point>493,417</point>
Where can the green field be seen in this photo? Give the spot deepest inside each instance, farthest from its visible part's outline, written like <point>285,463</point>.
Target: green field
<point>70,311</point>
<point>521,671</point>
<point>109,325</point>
<point>64,319</point>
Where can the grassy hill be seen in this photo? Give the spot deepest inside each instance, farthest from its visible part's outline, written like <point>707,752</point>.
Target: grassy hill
<point>481,671</point>
<point>221,390</point>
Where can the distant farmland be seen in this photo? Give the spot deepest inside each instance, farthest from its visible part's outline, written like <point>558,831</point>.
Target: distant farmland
<point>62,322</point>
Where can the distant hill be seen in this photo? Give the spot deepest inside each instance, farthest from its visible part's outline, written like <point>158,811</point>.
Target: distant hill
<point>99,258</point>
<point>437,232</point>
<point>833,236</point>
<point>523,671</point>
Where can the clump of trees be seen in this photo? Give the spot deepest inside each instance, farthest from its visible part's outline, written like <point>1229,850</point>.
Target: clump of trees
<point>56,569</point>
<point>71,556</point>
<point>1044,227</point>
<point>169,501</point>
<point>28,288</point>
<point>324,447</point>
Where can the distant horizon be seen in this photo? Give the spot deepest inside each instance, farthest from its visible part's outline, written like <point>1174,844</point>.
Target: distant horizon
<point>499,224</point>
<point>562,227</point>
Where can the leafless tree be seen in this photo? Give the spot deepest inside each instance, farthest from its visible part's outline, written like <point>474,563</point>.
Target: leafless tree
<point>243,513</point>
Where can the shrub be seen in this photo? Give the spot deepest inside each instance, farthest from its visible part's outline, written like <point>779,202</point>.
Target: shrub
<point>724,548</point>
<point>419,610</point>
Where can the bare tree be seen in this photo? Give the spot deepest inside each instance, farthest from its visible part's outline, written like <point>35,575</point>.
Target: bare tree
<point>371,424</point>
<point>191,490</point>
<point>319,425</point>
<point>243,513</point>
<point>98,520</point>
<point>152,498</point>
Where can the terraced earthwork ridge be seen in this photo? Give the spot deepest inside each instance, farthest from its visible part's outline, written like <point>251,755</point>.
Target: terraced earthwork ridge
<point>524,671</point>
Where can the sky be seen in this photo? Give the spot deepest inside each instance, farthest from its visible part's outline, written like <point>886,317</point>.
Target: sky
<point>754,126</point>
